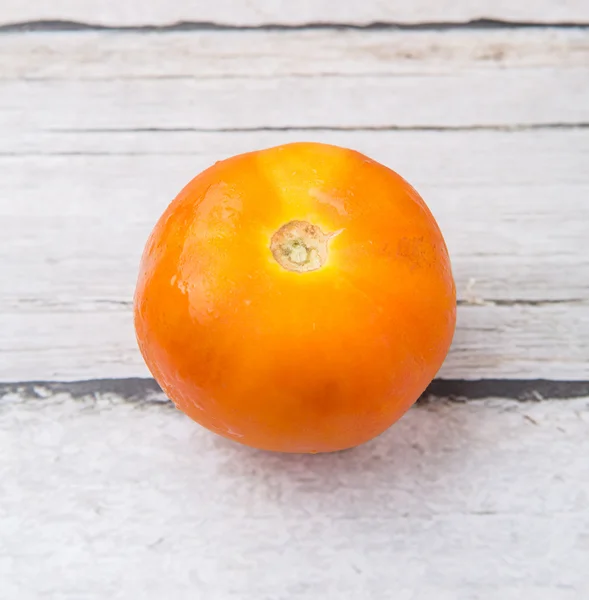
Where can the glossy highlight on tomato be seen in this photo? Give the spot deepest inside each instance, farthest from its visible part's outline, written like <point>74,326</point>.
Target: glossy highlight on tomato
<point>296,299</point>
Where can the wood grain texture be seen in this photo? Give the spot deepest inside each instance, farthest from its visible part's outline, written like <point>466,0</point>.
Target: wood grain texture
<point>101,130</point>
<point>103,498</point>
<point>365,80</point>
<point>260,12</point>
<point>478,99</point>
<point>491,342</point>
<point>204,54</point>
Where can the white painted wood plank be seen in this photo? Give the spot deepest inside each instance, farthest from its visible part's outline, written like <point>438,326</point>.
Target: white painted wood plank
<point>259,12</point>
<point>497,98</point>
<point>464,90</point>
<point>494,342</point>
<point>108,55</point>
<point>104,498</point>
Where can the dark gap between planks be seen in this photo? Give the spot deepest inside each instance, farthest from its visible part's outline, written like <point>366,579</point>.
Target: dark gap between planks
<point>63,25</point>
<point>137,389</point>
<point>319,128</point>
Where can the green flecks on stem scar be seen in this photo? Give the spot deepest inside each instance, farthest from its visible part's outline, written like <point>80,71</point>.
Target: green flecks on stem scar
<point>300,246</point>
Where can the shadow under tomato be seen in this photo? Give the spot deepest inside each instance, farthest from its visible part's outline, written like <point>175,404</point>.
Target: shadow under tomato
<point>416,458</point>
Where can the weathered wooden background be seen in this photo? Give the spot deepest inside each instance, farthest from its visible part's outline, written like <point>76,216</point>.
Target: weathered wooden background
<point>106,110</point>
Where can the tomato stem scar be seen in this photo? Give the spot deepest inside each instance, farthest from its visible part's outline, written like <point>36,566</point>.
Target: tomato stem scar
<point>300,246</point>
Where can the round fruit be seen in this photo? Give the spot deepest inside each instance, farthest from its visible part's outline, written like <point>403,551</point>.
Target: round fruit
<point>296,299</point>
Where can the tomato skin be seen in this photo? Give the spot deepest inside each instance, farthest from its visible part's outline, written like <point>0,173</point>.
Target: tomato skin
<point>291,361</point>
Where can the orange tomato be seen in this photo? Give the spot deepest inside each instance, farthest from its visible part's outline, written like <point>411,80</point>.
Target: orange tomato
<point>296,299</point>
